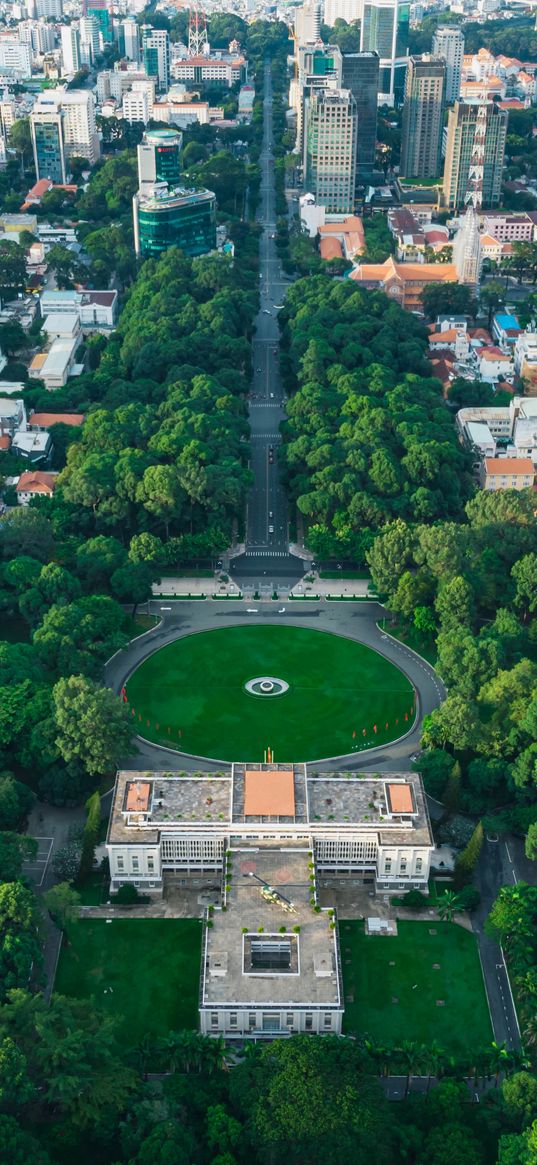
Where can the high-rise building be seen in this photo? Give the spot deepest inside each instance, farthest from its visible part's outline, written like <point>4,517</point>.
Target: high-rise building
<point>70,40</point>
<point>330,149</point>
<point>50,9</point>
<point>15,58</point>
<point>166,218</point>
<point>90,39</point>
<point>156,55</point>
<point>159,157</point>
<point>62,125</point>
<point>422,117</point>
<point>385,31</point>
<point>131,36</point>
<point>460,149</point>
<point>448,43</point>
<point>360,74</point>
<point>318,67</point>
<point>101,10</point>
<point>136,106</point>
<point>308,22</point>
<point>348,10</point>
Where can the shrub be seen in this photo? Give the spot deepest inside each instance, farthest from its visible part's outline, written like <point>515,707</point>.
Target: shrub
<point>469,898</point>
<point>414,900</point>
<point>128,895</point>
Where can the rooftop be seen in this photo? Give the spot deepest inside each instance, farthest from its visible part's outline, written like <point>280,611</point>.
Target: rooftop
<point>36,482</point>
<point>515,466</point>
<point>281,796</point>
<point>46,420</point>
<point>286,969</point>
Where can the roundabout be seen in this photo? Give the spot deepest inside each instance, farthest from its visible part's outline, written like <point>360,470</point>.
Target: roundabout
<point>233,693</point>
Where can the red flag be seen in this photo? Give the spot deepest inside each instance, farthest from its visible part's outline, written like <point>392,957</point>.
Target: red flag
<point>148,722</point>
<point>374,728</point>
<point>406,715</point>
<point>139,715</point>
<point>387,725</point>
<point>397,721</point>
<point>354,735</point>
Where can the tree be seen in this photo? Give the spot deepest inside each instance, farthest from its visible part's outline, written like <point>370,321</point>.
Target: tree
<point>17,1146</point>
<point>20,948</point>
<point>455,603</point>
<point>90,835</point>
<point>467,860</point>
<point>132,583</point>
<point>530,845</point>
<point>524,573</point>
<point>424,620</point>
<point>63,904</point>
<point>12,337</point>
<point>519,1097</point>
<point>66,862</point>
<point>448,905</point>
<point>20,139</point>
<point>92,724</point>
<point>454,298</point>
<point>16,800</point>
<point>16,1089</point>
<point>26,531</point>
<point>12,270</point>
<point>452,790</point>
<point>492,297</point>
<point>81,635</point>
<point>66,265</point>
<point>15,848</point>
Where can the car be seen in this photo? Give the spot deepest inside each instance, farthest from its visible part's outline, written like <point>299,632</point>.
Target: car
<point>271,452</point>
<point>271,529</point>
<point>281,611</point>
<point>251,610</point>
<point>266,311</point>
<point>278,306</point>
<point>270,514</point>
<point>259,369</point>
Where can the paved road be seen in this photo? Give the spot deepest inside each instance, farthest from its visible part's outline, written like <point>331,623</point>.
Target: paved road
<point>495,869</point>
<point>267,535</point>
<point>355,620</point>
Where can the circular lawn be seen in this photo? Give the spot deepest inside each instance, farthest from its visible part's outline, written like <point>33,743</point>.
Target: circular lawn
<point>342,696</point>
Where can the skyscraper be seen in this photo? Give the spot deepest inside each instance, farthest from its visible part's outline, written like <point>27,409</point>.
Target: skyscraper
<point>448,43</point>
<point>318,67</point>
<point>165,214</point>
<point>62,124</point>
<point>385,31</point>
<point>156,54</point>
<point>360,74</point>
<point>422,117</point>
<point>132,39</point>
<point>70,38</point>
<point>90,40</point>
<point>308,22</point>
<point>330,149</point>
<point>461,142</point>
<point>101,10</point>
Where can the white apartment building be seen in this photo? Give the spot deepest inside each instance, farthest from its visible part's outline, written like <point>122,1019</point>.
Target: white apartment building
<point>131,35</point>
<point>508,228</point>
<point>260,840</point>
<point>15,58</point>
<point>448,43</point>
<point>330,135</point>
<point>63,126</point>
<point>90,37</point>
<point>348,10</point>
<point>308,22</point>
<point>70,41</point>
<point>138,102</point>
<point>208,70</point>
<point>498,433</point>
<point>50,9</point>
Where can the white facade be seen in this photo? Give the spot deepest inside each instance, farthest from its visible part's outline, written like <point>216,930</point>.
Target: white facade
<point>132,39</point>
<point>308,22</point>
<point>15,58</point>
<point>70,39</point>
<point>330,136</point>
<point>50,9</point>
<point>137,104</point>
<point>348,10</point>
<point>448,43</point>
<point>79,126</point>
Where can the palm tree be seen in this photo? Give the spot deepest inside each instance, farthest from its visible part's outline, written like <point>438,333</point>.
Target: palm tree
<point>144,1054</point>
<point>500,1059</point>
<point>411,1053</point>
<point>434,1061</point>
<point>447,906</point>
<point>530,1032</point>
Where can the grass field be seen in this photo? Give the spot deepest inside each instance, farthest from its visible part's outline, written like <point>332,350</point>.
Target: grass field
<point>462,1021</point>
<point>151,964</point>
<point>191,694</point>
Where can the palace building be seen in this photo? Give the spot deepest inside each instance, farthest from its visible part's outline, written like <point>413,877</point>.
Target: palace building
<point>268,837</point>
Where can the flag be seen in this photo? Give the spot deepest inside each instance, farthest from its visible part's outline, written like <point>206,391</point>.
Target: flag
<point>354,735</point>
<point>406,715</point>
<point>374,728</point>
<point>387,725</point>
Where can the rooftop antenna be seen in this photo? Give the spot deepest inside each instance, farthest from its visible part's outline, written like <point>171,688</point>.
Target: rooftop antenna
<point>198,41</point>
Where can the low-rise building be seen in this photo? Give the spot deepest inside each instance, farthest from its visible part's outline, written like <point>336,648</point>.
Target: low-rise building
<point>403,282</point>
<point>33,447</point>
<point>344,239</point>
<point>270,961</point>
<point>493,364</point>
<point>507,473</point>
<point>96,310</point>
<point>41,422</point>
<point>525,361</point>
<point>35,484</point>
<point>506,329</point>
<point>55,366</point>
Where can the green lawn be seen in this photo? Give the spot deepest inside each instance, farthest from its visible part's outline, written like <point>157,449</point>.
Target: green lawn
<point>191,694</point>
<point>462,1022</point>
<point>151,964</point>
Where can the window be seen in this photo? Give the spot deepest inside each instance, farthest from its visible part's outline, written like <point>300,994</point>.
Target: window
<point>120,863</point>
<point>135,865</point>
<point>388,866</point>
<point>289,1019</point>
<point>214,1019</point>
<point>309,1023</point>
<point>233,1019</point>
<point>251,1019</point>
<point>419,865</point>
<point>150,865</point>
<point>328,1019</point>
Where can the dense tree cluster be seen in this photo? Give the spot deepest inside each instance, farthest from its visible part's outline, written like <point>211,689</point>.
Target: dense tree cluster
<point>367,436</point>
<point>475,582</point>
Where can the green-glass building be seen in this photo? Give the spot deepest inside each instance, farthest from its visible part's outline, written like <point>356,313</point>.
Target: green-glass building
<point>166,218</point>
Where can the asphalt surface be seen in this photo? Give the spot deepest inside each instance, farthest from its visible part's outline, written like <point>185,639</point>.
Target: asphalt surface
<point>498,866</point>
<point>356,621</point>
<point>267,529</point>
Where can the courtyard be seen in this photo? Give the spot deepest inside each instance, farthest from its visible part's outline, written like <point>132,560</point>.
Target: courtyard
<point>425,984</point>
<point>337,695</point>
<point>145,971</point>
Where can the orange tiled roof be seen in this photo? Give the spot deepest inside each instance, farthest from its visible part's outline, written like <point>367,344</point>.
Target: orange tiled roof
<point>37,482</point>
<point>45,420</point>
<point>331,249</point>
<point>499,466</point>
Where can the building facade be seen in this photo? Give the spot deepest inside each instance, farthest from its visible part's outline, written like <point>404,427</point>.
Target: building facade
<point>448,43</point>
<point>63,126</point>
<point>70,42</point>
<point>384,31</point>
<point>461,135</point>
<point>330,134</point>
<point>166,218</point>
<point>422,117</point>
<point>159,157</point>
<point>156,55</point>
<point>360,74</point>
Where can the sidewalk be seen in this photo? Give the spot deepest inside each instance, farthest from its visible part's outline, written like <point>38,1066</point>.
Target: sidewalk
<point>210,588</point>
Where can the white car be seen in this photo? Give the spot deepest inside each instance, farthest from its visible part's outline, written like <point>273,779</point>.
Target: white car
<point>281,611</point>
<point>271,529</point>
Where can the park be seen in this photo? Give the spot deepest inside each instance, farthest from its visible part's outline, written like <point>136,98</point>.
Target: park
<point>207,695</point>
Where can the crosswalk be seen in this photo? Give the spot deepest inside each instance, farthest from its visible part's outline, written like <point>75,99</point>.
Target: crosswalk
<point>264,404</point>
<point>265,436</point>
<point>266,553</point>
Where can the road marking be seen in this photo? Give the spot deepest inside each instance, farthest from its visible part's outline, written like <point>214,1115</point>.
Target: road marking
<point>165,608</point>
